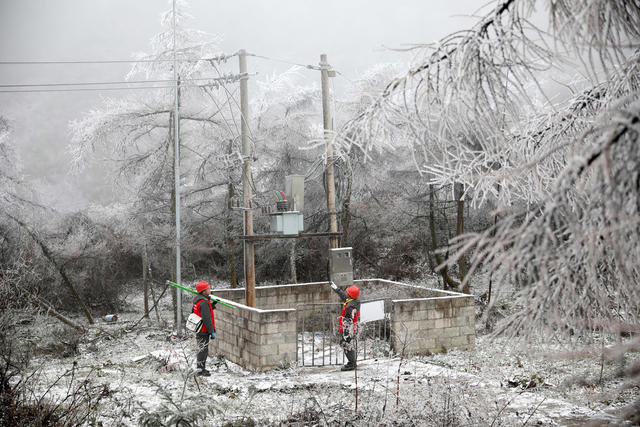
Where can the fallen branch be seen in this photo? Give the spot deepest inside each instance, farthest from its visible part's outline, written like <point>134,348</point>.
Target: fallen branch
<point>60,268</point>
<point>49,309</point>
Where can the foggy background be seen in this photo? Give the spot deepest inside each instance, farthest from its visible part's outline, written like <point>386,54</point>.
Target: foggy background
<point>355,35</point>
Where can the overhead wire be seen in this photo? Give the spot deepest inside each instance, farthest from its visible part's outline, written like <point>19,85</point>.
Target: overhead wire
<point>18,85</point>
<point>84,89</point>
<point>46,87</point>
<point>310,67</point>
<point>62,87</point>
<point>219,58</point>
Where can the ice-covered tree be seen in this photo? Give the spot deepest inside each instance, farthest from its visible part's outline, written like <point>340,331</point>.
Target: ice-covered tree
<point>137,130</point>
<point>563,171</point>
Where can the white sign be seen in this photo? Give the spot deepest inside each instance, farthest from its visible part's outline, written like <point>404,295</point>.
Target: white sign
<point>370,311</point>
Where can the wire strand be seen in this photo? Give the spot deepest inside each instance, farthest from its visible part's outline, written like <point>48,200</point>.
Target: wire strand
<point>26,85</point>
<point>218,58</point>
<point>104,88</point>
<point>310,67</point>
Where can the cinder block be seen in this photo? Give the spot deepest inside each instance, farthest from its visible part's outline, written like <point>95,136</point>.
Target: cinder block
<point>436,333</point>
<point>267,349</point>
<point>271,360</point>
<point>421,334</point>
<point>266,339</point>
<point>443,304</point>
<point>279,317</point>
<point>444,322</point>
<point>250,337</point>
<point>270,328</point>
<point>468,311</point>
<point>290,337</point>
<point>459,321</point>
<point>443,342</point>
<point>412,325</point>
<point>402,316</point>
<point>427,324</point>
<point>254,361</point>
<point>434,314</point>
<point>457,342</point>
<point>458,301</point>
<point>428,343</point>
<point>471,340</point>
<point>254,327</point>
<point>468,330</point>
<point>287,350</point>
<point>418,315</point>
<point>254,316</point>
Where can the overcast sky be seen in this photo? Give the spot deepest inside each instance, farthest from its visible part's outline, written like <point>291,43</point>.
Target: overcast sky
<point>356,35</point>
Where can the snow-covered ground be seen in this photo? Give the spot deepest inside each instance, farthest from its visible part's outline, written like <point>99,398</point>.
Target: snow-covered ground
<point>145,374</point>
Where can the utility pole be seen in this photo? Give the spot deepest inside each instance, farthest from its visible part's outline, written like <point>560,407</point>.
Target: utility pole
<point>176,133</point>
<point>325,73</point>
<point>249,252</point>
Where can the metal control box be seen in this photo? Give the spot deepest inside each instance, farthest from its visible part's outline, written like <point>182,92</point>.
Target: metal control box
<point>294,189</point>
<point>341,266</point>
<point>290,222</point>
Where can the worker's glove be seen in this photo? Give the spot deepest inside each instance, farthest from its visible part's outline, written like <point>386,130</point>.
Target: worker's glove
<point>333,286</point>
<point>213,304</point>
<point>346,338</point>
<point>213,335</point>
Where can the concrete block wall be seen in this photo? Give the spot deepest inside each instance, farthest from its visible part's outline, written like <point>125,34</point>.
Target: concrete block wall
<point>433,325</point>
<point>265,337</point>
<point>253,338</point>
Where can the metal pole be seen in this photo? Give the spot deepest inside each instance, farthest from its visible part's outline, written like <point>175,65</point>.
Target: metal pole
<point>297,335</point>
<point>313,340</point>
<point>324,333</point>
<point>328,134</point>
<point>302,313</point>
<point>249,253</point>
<point>176,133</point>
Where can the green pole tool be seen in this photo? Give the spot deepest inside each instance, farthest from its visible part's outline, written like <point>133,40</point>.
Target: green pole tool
<point>184,288</point>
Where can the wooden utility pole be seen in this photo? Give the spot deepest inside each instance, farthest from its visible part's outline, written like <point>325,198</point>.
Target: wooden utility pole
<point>328,134</point>
<point>249,252</point>
<point>462,264</point>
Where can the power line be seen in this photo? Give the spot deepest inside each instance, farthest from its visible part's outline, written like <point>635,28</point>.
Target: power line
<point>217,58</point>
<point>310,67</point>
<point>215,82</point>
<point>84,89</point>
<point>26,85</point>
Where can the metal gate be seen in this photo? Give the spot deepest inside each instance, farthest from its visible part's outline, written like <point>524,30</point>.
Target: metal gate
<point>318,339</point>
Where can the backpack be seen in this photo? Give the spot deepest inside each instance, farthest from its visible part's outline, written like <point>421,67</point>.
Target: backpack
<point>194,322</point>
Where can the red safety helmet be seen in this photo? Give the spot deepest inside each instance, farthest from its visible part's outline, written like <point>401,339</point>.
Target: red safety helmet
<point>353,292</point>
<point>201,286</point>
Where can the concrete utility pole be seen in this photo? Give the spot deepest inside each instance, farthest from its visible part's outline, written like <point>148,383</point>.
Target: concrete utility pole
<point>176,133</point>
<point>249,252</point>
<point>328,134</point>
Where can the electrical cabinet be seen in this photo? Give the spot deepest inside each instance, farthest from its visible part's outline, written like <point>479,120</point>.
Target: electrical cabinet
<point>290,222</point>
<point>294,189</point>
<point>341,266</point>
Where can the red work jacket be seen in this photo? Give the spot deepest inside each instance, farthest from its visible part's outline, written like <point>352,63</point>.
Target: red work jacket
<point>196,310</point>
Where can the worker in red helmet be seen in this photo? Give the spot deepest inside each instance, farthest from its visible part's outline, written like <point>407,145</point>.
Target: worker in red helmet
<point>203,307</point>
<point>348,321</point>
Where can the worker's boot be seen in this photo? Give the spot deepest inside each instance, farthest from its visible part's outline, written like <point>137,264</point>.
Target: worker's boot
<point>348,367</point>
<point>203,373</point>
